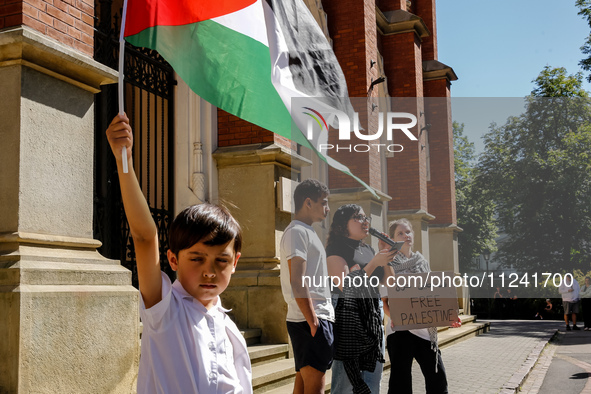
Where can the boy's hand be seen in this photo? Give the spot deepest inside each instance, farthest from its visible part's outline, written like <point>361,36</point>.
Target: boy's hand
<point>314,326</point>
<point>119,135</point>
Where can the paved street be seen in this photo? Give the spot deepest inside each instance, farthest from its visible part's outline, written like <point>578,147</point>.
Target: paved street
<point>497,361</point>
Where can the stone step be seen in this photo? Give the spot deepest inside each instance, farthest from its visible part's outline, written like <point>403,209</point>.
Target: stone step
<point>467,331</point>
<point>275,375</point>
<point>252,336</point>
<point>265,354</point>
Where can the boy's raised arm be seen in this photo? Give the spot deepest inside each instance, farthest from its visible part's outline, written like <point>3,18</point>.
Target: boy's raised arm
<point>142,226</point>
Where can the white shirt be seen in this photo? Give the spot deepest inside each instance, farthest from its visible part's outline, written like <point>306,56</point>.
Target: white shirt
<point>188,349</point>
<point>300,239</point>
<point>569,296</point>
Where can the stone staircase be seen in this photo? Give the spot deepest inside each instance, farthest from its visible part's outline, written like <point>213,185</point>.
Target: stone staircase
<point>273,372</point>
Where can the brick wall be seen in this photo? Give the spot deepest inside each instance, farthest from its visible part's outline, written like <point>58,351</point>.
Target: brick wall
<point>391,5</point>
<point>70,22</point>
<point>426,10</point>
<point>407,170</point>
<point>352,27</point>
<point>441,187</point>
<point>234,131</point>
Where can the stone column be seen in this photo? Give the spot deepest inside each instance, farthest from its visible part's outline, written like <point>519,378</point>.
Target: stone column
<point>255,184</point>
<point>69,316</point>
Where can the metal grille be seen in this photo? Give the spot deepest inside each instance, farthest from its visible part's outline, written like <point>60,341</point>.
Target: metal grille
<point>149,92</point>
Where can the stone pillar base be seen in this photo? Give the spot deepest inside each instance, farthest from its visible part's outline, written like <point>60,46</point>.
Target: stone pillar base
<point>256,301</point>
<point>70,317</point>
<point>443,241</point>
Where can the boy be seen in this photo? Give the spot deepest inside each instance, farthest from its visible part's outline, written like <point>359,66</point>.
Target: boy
<point>189,344</point>
<point>310,314</point>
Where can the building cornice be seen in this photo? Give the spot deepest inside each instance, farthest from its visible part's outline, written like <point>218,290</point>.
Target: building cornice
<point>400,21</point>
<point>26,47</point>
<point>434,69</point>
<point>256,154</point>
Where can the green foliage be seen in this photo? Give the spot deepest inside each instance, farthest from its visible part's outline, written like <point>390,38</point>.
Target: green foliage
<point>585,11</point>
<point>554,82</point>
<point>537,168</point>
<point>474,208</point>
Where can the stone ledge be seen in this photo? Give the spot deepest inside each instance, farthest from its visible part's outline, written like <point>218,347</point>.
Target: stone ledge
<point>25,238</point>
<point>411,214</point>
<point>257,154</point>
<point>400,21</point>
<point>57,273</point>
<point>357,194</point>
<point>26,47</point>
<point>445,228</point>
<point>434,69</point>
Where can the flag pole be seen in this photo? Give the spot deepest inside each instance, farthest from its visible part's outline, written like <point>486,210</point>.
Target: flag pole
<point>121,79</point>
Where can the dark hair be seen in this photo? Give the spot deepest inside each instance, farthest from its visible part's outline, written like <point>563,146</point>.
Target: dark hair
<point>310,188</point>
<point>208,222</point>
<point>341,217</point>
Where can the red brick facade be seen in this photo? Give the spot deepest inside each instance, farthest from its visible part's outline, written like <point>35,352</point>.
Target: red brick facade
<point>233,131</point>
<point>352,28</point>
<point>70,22</point>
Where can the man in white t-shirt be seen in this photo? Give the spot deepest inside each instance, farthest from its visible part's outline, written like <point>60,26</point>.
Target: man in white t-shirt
<point>310,314</point>
<point>570,300</point>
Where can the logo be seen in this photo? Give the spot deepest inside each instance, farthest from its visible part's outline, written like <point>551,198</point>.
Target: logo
<point>394,121</point>
<point>310,136</point>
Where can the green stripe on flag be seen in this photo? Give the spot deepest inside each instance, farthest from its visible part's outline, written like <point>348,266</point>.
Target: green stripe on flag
<point>230,70</point>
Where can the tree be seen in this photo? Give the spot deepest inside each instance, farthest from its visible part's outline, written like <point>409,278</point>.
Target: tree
<point>475,209</point>
<point>537,169</point>
<point>585,11</point>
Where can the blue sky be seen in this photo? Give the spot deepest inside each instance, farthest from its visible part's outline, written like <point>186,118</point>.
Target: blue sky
<point>498,47</point>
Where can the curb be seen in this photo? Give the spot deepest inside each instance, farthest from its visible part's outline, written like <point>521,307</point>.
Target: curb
<point>519,377</point>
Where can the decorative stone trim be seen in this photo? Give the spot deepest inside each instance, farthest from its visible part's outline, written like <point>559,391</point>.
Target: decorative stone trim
<point>434,69</point>
<point>26,47</point>
<point>411,214</point>
<point>400,21</point>
<point>258,154</point>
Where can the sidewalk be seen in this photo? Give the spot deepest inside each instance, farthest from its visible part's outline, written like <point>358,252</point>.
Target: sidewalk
<point>564,367</point>
<point>495,362</point>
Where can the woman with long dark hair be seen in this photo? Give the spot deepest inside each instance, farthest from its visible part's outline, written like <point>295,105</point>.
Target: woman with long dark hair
<point>359,349</point>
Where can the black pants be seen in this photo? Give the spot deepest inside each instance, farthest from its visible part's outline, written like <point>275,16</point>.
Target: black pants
<point>402,348</point>
<point>586,304</point>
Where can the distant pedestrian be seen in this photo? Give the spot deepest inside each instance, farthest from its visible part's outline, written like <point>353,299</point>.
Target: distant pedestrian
<point>570,301</point>
<point>586,303</point>
<point>546,312</point>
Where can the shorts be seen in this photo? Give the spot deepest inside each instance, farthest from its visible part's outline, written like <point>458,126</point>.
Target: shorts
<point>570,307</point>
<point>314,351</point>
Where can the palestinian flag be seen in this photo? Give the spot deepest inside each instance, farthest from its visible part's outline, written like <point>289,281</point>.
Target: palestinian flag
<point>247,57</point>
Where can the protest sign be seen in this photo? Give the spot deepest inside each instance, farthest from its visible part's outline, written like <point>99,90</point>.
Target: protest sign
<point>422,300</point>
